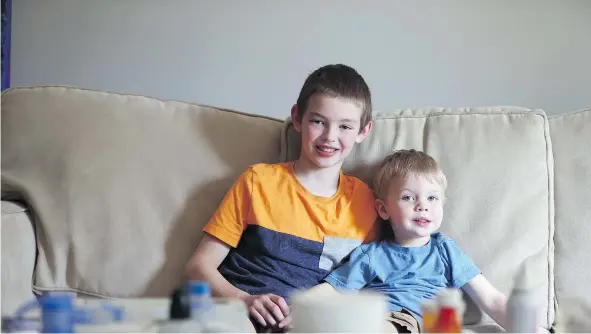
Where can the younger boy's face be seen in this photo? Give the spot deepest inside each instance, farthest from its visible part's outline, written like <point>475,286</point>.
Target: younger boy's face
<point>414,207</point>
<point>330,128</point>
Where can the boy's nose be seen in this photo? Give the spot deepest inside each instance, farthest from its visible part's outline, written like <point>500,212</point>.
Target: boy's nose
<point>329,134</point>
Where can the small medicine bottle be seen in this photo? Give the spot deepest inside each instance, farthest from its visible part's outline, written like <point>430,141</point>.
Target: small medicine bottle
<point>430,312</point>
<point>449,319</point>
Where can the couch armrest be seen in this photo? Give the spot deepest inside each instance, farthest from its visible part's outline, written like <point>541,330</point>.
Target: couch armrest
<point>18,256</point>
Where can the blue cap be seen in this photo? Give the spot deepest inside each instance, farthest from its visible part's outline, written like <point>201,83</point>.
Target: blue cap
<point>57,312</point>
<point>198,288</point>
<point>57,301</point>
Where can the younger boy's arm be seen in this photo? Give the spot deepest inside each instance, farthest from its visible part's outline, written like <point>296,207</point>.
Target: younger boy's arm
<point>488,298</point>
<point>322,289</point>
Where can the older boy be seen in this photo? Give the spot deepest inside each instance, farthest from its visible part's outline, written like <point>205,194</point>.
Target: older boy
<point>284,226</point>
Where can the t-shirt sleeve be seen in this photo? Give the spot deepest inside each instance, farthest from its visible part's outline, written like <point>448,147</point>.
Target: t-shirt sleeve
<point>460,269</point>
<point>354,273</point>
<point>230,219</point>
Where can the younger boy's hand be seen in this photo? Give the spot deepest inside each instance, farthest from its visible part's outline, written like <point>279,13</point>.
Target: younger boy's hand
<point>268,309</point>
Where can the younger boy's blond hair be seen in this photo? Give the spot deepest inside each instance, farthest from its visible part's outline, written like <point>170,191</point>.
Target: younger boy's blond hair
<point>405,163</point>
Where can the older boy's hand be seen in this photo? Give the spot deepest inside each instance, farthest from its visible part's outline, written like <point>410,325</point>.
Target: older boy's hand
<point>286,323</point>
<point>268,309</point>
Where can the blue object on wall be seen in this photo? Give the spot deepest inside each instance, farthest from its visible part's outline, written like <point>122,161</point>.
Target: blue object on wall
<point>6,16</point>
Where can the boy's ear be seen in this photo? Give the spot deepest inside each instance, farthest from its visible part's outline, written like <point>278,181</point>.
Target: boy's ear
<point>381,209</point>
<point>364,132</point>
<point>295,118</point>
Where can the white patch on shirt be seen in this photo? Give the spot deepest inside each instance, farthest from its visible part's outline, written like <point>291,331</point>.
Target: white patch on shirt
<point>334,250</point>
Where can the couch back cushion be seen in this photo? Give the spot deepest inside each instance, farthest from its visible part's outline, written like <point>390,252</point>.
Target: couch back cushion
<point>571,138</point>
<point>499,168</point>
<point>120,186</point>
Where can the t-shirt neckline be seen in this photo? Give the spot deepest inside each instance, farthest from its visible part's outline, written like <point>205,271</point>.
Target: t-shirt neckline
<point>308,193</point>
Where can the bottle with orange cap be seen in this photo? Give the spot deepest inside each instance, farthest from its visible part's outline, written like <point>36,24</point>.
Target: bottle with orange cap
<point>451,308</point>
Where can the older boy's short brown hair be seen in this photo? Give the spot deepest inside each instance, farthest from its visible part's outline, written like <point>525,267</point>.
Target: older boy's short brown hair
<point>337,80</point>
<point>402,164</point>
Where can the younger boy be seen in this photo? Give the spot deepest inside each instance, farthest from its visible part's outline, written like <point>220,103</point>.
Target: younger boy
<point>282,227</point>
<point>417,261</point>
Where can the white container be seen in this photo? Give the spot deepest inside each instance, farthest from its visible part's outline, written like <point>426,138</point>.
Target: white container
<point>524,307</point>
<point>342,313</point>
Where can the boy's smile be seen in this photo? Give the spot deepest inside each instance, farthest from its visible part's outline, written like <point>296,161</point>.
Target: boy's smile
<point>326,150</point>
<point>422,221</point>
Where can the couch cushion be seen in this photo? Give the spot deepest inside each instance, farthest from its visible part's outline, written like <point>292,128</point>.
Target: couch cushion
<point>18,256</point>
<point>571,138</point>
<point>499,167</point>
<point>122,184</point>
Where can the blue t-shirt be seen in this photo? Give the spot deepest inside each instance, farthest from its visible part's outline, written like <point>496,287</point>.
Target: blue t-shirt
<point>406,275</point>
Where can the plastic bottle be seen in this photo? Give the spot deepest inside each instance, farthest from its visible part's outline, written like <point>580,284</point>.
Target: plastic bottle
<point>180,314</point>
<point>57,312</point>
<point>451,306</point>
<point>524,304</point>
<point>430,310</point>
<point>60,313</point>
<point>200,299</point>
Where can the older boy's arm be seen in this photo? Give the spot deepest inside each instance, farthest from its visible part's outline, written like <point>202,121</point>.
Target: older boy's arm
<point>204,263</point>
<point>488,298</point>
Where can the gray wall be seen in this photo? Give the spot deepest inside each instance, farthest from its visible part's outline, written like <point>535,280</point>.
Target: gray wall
<point>254,55</point>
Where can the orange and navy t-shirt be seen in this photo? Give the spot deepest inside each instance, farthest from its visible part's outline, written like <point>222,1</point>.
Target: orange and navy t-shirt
<point>283,237</point>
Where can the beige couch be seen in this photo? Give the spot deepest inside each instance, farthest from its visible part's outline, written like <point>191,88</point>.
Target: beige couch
<point>105,194</point>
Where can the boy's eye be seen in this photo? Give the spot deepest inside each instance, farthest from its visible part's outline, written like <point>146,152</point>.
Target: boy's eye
<point>346,127</point>
<point>406,198</point>
<point>316,121</point>
<point>432,198</point>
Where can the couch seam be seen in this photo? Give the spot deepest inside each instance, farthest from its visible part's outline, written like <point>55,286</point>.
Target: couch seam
<point>482,113</point>
<point>41,289</point>
<point>551,216</point>
<point>573,113</point>
<point>161,100</point>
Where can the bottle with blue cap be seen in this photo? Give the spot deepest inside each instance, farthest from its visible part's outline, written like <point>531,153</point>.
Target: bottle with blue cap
<point>200,298</point>
<point>57,312</point>
<point>60,314</point>
<point>180,314</point>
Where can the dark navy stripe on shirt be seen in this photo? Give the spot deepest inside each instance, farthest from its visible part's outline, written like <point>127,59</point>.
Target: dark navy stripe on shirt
<point>266,261</point>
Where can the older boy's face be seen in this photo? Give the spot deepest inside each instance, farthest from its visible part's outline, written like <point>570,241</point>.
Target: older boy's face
<point>414,207</point>
<point>330,128</point>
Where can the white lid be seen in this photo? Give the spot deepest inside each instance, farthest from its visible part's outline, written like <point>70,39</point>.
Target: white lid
<point>531,272</point>
<point>429,305</point>
<point>450,297</point>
